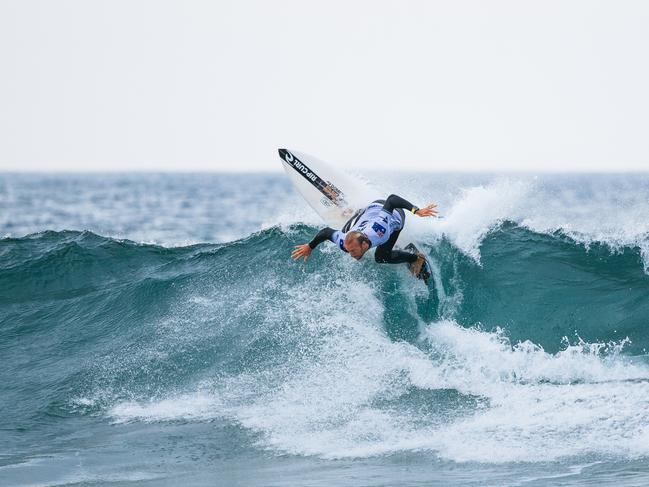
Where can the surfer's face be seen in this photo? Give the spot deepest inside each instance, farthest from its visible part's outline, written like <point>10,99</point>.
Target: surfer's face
<point>356,249</point>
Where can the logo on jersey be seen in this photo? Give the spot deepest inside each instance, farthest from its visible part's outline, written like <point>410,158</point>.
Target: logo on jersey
<point>379,229</point>
<point>341,243</point>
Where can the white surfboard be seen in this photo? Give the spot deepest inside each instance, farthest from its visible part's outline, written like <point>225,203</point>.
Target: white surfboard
<point>334,195</point>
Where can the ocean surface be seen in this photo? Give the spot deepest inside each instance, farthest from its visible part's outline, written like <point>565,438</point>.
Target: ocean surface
<point>154,331</point>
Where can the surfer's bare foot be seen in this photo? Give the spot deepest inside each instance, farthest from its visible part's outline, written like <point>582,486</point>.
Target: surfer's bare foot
<point>415,267</point>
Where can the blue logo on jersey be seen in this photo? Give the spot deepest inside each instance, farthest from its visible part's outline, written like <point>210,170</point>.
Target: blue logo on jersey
<point>341,245</point>
<point>379,229</point>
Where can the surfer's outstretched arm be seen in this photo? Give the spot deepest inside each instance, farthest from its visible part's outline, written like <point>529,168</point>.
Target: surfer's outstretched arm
<point>304,250</point>
<point>324,234</point>
<point>394,201</point>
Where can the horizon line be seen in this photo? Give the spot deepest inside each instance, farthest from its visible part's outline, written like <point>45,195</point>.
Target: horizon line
<point>279,171</point>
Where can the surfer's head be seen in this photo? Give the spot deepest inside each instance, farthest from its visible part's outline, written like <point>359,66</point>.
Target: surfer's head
<point>357,243</point>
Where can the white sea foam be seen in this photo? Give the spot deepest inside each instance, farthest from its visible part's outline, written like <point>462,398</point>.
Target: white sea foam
<point>345,391</point>
<point>194,406</point>
<point>541,406</point>
<point>479,209</point>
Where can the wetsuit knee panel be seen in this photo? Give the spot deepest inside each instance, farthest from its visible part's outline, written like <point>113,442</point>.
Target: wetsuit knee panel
<point>381,255</point>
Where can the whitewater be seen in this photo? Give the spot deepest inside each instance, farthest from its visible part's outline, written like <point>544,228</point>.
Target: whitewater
<point>154,330</point>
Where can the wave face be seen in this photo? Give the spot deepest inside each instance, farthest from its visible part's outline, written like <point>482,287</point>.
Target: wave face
<point>530,346</point>
<point>543,288</point>
<point>336,358</point>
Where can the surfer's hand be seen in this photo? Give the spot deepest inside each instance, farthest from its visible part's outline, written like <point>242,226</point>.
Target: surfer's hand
<point>428,210</point>
<point>303,250</point>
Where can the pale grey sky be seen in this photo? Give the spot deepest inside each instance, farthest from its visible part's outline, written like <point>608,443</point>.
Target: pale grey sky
<point>219,85</point>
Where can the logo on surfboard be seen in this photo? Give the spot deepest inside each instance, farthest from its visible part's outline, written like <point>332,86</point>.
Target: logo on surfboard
<point>328,189</point>
<point>298,165</point>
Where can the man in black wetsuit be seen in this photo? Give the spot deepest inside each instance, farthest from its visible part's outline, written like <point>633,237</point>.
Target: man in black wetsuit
<point>377,226</point>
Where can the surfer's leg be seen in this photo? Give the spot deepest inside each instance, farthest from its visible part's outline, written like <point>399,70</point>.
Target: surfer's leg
<point>385,255</point>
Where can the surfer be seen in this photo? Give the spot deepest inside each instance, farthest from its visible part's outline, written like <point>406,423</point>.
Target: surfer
<point>378,225</point>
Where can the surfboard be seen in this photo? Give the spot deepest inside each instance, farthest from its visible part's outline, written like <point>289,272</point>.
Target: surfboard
<point>333,194</point>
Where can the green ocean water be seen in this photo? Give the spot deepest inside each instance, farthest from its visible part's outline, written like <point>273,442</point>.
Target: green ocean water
<point>139,361</point>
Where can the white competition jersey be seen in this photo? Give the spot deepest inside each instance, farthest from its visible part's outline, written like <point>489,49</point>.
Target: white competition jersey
<point>374,222</point>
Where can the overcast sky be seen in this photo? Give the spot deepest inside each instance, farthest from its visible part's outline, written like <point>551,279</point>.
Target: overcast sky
<point>219,85</point>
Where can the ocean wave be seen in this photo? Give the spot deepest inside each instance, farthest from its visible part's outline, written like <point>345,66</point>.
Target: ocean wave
<point>537,349</point>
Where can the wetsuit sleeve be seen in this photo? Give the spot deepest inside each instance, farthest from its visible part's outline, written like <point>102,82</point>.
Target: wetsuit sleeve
<point>395,201</point>
<point>321,236</point>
